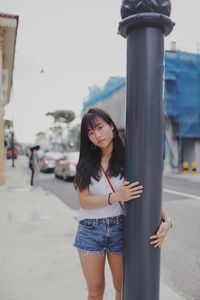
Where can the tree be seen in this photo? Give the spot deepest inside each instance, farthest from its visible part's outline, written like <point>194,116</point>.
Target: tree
<point>62,116</point>
<point>8,124</point>
<point>75,134</point>
<point>40,133</point>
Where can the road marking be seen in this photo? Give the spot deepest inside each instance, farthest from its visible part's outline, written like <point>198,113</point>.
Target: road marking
<point>181,194</point>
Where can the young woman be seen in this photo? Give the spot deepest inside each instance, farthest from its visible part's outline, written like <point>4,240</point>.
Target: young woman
<point>102,191</point>
<point>33,165</point>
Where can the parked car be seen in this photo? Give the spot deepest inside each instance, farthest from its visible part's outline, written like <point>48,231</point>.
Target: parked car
<point>48,160</point>
<point>9,153</point>
<point>65,167</point>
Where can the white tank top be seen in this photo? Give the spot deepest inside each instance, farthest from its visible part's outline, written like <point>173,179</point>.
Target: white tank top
<point>102,188</point>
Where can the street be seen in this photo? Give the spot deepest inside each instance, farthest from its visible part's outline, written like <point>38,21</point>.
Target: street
<point>74,101</point>
<point>180,262</point>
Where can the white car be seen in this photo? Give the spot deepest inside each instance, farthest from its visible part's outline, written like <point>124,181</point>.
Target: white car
<point>48,161</point>
<point>65,167</point>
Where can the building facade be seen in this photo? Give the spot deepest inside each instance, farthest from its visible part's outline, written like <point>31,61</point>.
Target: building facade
<point>8,33</point>
<point>110,97</point>
<point>181,107</point>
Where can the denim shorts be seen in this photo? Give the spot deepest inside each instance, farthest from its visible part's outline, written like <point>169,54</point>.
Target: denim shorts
<point>100,235</point>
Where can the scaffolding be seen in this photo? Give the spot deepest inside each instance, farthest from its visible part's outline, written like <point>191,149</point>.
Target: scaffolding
<point>182,93</point>
<point>182,99</point>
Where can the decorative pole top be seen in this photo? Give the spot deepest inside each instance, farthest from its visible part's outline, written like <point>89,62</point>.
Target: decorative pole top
<point>133,7</point>
<point>145,13</point>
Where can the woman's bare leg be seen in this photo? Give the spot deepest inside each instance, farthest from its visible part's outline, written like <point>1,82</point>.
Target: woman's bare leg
<point>116,266</point>
<point>93,266</point>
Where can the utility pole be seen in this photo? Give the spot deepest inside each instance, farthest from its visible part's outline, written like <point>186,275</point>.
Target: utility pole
<point>144,24</point>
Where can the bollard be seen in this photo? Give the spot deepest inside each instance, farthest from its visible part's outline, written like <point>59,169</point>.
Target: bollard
<point>194,168</point>
<point>185,167</point>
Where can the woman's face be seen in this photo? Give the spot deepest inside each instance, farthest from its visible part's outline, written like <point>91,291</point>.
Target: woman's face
<point>102,133</point>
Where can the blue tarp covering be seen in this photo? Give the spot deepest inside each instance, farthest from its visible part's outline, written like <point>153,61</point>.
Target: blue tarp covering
<point>101,94</point>
<point>181,92</point>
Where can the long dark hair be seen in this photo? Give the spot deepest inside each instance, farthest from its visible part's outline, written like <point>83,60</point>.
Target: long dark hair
<point>90,156</point>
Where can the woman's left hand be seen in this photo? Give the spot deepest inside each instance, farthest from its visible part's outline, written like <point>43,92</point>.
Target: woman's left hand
<point>157,240</point>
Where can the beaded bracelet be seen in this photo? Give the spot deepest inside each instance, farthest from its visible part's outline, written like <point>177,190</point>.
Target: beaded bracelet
<point>109,198</point>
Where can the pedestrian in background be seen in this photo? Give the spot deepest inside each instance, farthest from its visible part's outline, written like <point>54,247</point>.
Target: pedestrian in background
<point>102,191</point>
<point>33,165</point>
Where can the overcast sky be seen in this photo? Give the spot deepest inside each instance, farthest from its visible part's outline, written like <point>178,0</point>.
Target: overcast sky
<point>77,46</point>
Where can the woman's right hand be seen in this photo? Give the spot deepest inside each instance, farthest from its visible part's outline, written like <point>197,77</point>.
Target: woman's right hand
<point>130,190</point>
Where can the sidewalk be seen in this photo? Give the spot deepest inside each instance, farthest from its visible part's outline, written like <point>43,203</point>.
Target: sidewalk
<point>37,259</point>
<point>189,176</point>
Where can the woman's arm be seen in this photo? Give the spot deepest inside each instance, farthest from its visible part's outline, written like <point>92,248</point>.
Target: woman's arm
<point>89,201</point>
<point>128,191</point>
<point>166,224</point>
<point>164,213</point>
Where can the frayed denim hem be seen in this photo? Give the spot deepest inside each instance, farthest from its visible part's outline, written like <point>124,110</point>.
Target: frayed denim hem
<point>105,251</point>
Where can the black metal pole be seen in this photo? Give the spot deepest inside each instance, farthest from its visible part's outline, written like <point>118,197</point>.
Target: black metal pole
<point>144,24</point>
<point>12,149</point>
